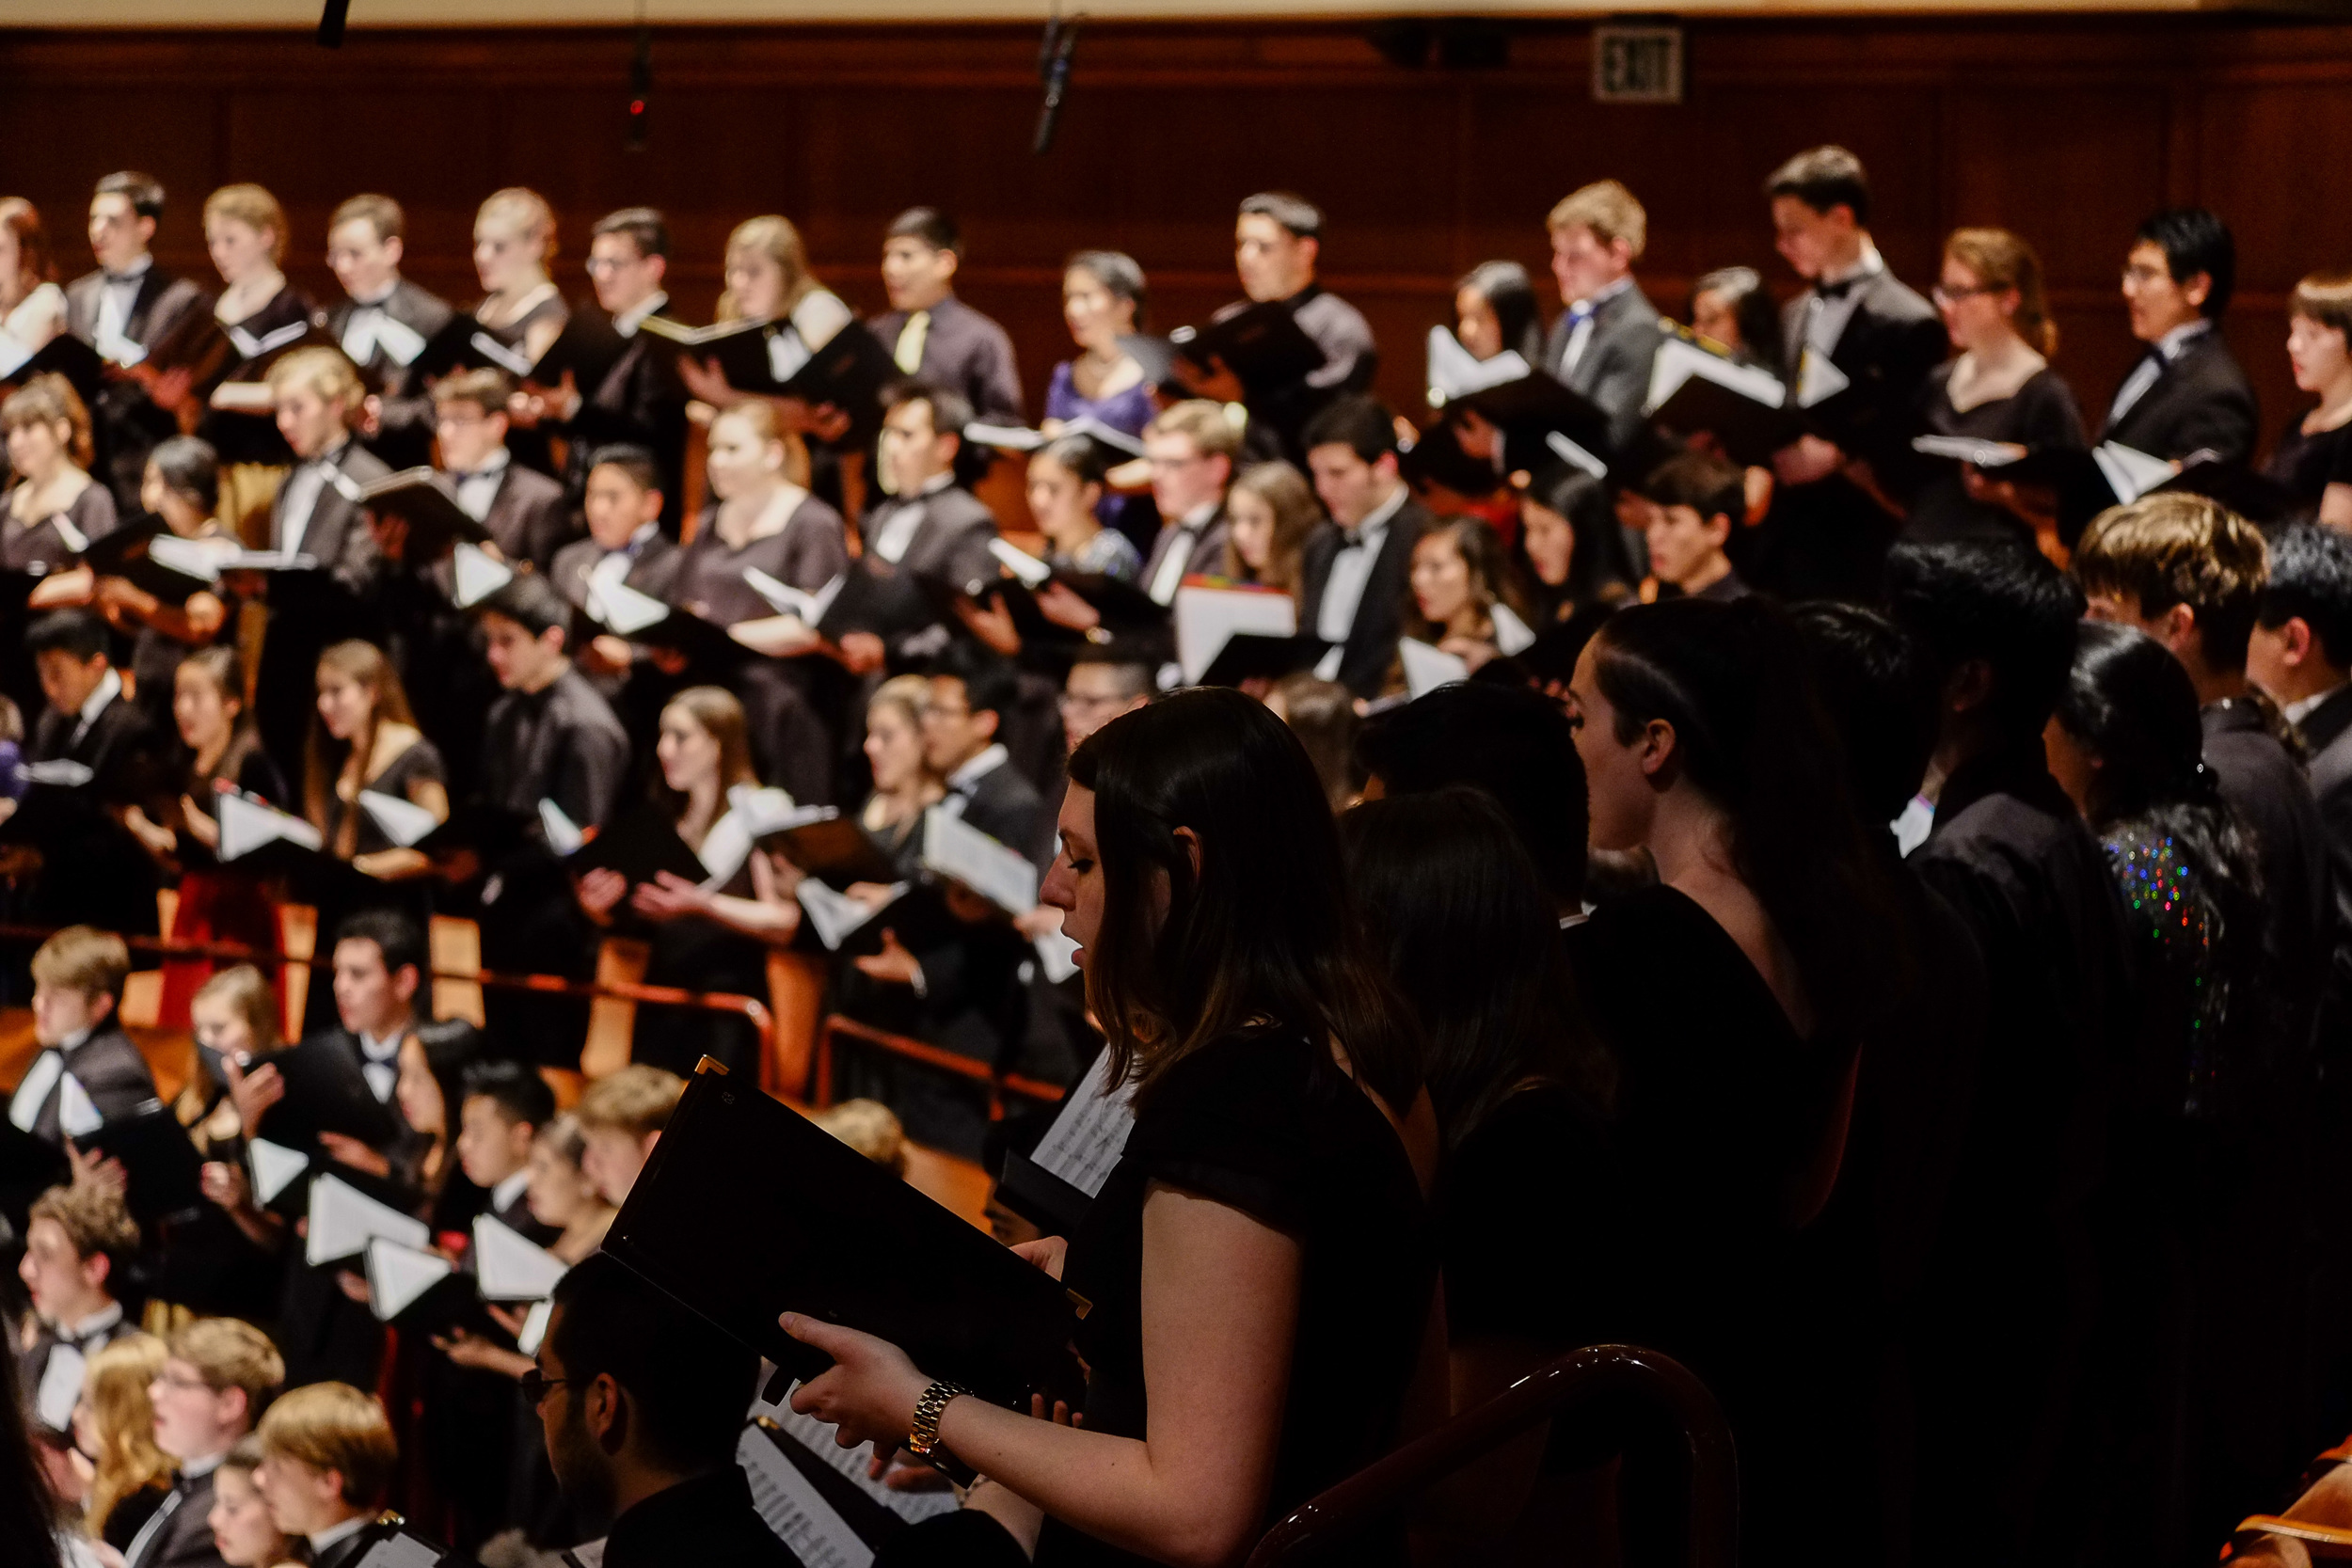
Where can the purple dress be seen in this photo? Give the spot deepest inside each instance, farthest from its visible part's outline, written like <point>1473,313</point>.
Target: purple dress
<point>1129,411</point>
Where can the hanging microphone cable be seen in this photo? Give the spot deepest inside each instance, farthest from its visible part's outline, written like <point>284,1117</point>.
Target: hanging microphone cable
<point>332,23</point>
<point>1053,67</point>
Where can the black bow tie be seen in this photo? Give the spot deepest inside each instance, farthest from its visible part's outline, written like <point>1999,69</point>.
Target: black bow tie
<point>131,278</point>
<point>1353,539</point>
<point>1838,290</point>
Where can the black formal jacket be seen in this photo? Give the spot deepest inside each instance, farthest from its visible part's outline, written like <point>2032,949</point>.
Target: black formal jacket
<point>127,424</point>
<point>1380,615</point>
<point>529,516</point>
<point>560,744</point>
<point>338,535</point>
<point>1614,369</point>
<point>965,350</point>
<point>2200,402</point>
<point>33,1360</point>
<point>110,1071</point>
<point>951,545</point>
<point>708,1521</point>
<point>1205,551</point>
<point>403,438</point>
<point>120,749</point>
<point>653,572</point>
<point>641,402</point>
<point>2261,782</point>
<point>1890,343</point>
<point>2328,730</point>
<point>178,1534</point>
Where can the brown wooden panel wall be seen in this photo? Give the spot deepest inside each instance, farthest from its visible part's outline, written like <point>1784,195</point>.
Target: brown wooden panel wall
<point>2068,131</point>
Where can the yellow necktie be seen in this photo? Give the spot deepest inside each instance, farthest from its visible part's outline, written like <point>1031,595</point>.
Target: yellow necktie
<point>908,354</point>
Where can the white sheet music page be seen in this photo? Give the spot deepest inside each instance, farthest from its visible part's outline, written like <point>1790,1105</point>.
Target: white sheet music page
<point>1090,1132</point>
<point>817,1437</point>
<point>802,1518</point>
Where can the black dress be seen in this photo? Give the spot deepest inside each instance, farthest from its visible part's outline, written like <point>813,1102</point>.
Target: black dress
<point>1539,1149</point>
<point>420,764</point>
<point>1721,1105</point>
<point>1266,1123</point>
<point>50,544</point>
<point>2041,413</point>
<point>2306,465</point>
<point>271,331</point>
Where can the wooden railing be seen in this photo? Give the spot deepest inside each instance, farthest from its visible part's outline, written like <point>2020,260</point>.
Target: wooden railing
<point>998,1083</point>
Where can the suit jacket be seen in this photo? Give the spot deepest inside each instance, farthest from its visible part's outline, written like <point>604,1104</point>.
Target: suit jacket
<point>2327,730</point>
<point>126,423</point>
<point>403,439</point>
<point>950,545</point>
<point>966,351</point>
<point>2200,402</point>
<point>2262,783</point>
<point>529,516</point>
<point>120,749</point>
<point>652,572</point>
<point>708,1521</point>
<point>179,1535</point>
<point>1890,344</point>
<point>1371,645</point>
<point>639,400</point>
<point>1206,553</point>
<point>1613,371</point>
<point>111,1071</point>
<point>32,1360</point>
<point>336,535</point>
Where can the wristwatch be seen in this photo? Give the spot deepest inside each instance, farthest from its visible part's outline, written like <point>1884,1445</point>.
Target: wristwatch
<point>923,1434</point>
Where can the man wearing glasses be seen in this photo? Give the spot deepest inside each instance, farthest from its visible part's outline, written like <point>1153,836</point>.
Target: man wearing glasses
<point>218,1374</point>
<point>1190,447</point>
<point>2187,394</point>
<point>642,1403</point>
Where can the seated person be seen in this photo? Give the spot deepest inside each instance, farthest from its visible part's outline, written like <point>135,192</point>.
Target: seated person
<point>928,527</point>
<point>1693,499</point>
<point>88,1072</point>
<point>1065,500</point>
<point>550,736</point>
<point>1354,574</point>
<point>217,1376</point>
<point>328,1464</point>
<point>90,719</point>
<point>642,1404</point>
<point>78,1242</point>
<point>522,508</point>
<point>620,1118</point>
<point>506,1104</point>
<point>1277,243</point>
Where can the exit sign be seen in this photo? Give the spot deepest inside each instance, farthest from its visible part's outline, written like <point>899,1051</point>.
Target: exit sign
<point>1637,65</point>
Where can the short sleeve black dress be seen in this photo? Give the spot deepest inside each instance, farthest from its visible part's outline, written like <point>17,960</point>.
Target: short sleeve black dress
<point>1266,1122</point>
<point>2306,465</point>
<point>2041,414</point>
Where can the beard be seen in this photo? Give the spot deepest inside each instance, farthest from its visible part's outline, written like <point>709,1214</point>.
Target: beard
<point>580,1467</point>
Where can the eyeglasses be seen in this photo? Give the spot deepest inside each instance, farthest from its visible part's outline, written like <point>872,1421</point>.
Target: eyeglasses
<point>2142,276</point>
<point>536,1386</point>
<point>605,266</point>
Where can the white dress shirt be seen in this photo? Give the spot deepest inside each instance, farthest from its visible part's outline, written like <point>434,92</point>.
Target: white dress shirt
<point>301,497</point>
<point>1580,315</point>
<point>477,490</point>
<point>109,687</point>
<point>1172,566</point>
<point>2162,353</point>
<point>1825,318</point>
<point>116,295</point>
<point>898,534</point>
<point>380,1061</point>
<point>509,1192</point>
<point>1351,573</point>
<point>964,780</point>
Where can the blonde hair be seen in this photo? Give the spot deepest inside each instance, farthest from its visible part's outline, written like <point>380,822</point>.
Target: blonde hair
<point>333,1426</point>
<point>2325,297</point>
<point>230,1353</point>
<point>83,958</point>
<point>909,694</point>
<point>326,372</point>
<point>759,415</point>
<point>527,209</point>
<point>127,1460</point>
<point>50,399</point>
<point>364,664</point>
<point>869,1127</point>
<point>2003,261</point>
<point>254,207</point>
<point>1608,210</point>
<point>1201,420</point>
<point>637,1100</point>
<point>774,237</point>
<point>246,991</point>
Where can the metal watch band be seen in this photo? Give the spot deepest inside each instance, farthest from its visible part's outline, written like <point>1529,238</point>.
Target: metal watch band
<point>923,1434</point>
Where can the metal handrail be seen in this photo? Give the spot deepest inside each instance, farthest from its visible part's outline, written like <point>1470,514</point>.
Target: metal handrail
<point>1574,1381</point>
<point>749,1007</point>
<point>999,1083</point>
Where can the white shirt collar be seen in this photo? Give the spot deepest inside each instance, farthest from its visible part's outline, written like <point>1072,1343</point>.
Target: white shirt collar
<point>97,1323</point>
<point>991,758</point>
<point>637,541</point>
<point>2175,343</point>
<point>493,466</point>
<point>937,483</point>
<point>1198,517</point>
<point>376,303</point>
<point>629,320</point>
<point>109,687</point>
<point>1869,264</point>
<point>197,1470</point>
<point>2297,712</point>
<point>504,1195</point>
<point>385,1050</point>
<point>75,1041</point>
<point>1602,297</point>
<point>334,1534</point>
<point>133,273</point>
<point>1375,524</point>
